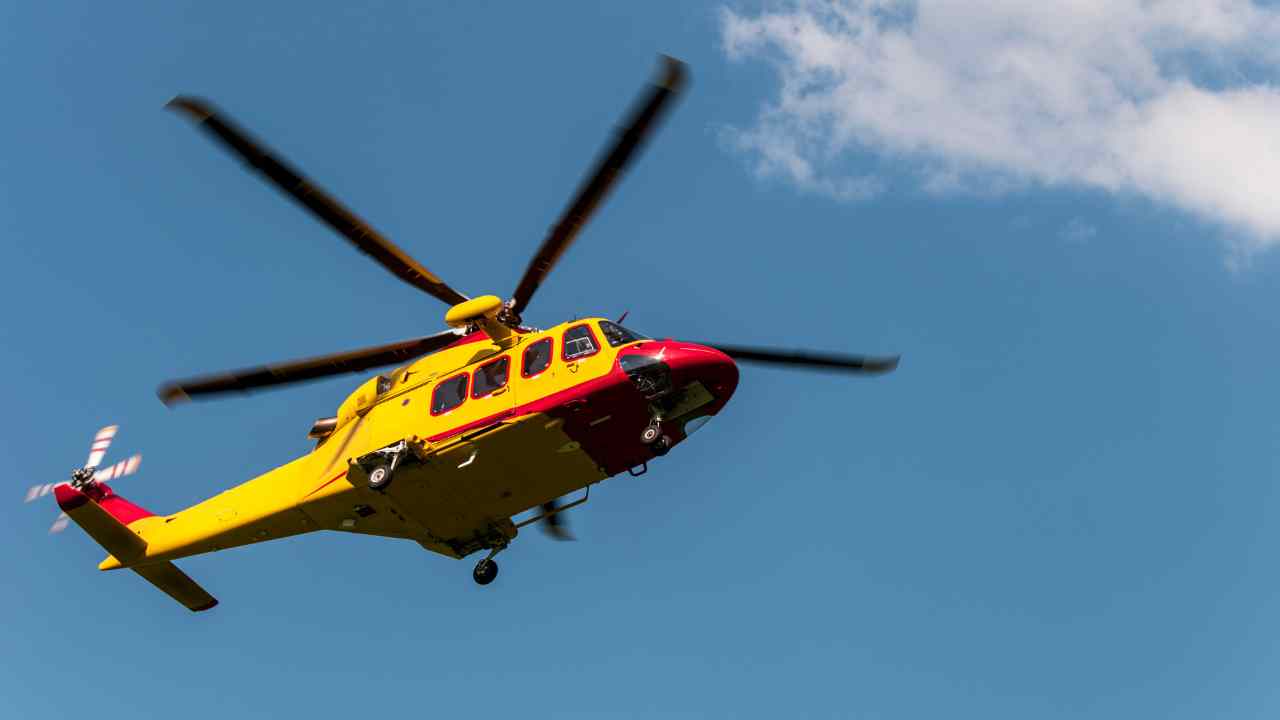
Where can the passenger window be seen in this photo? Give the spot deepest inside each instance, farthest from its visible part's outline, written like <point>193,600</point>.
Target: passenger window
<point>537,357</point>
<point>490,377</point>
<point>449,394</point>
<point>618,335</point>
<point>579,343</point>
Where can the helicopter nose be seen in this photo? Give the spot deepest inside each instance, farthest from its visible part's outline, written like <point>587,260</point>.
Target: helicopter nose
<point>689,363</point>
<point>716,371</point>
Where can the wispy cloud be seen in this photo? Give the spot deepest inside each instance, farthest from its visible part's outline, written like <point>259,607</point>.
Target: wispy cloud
<point>1077,232</point>
<point>1169,99</point>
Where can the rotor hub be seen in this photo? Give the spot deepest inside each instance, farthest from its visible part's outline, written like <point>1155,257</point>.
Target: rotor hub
<point>82,477</point>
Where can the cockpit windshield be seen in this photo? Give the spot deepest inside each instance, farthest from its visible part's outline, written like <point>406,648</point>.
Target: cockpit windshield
<point>618,335</point>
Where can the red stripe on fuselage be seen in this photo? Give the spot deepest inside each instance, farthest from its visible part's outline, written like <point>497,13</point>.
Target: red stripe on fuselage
<point>614,446</point>
<point>543,404</point>
<point>325,484</point>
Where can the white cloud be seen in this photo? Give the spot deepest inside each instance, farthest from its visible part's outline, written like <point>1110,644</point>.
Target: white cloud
<point>1173,100</point>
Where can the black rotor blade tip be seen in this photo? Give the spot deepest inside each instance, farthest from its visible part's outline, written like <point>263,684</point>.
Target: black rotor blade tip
<point>172,395</point>
<point>674,74</point>
<point>195,108</point>
<point>811,360</point>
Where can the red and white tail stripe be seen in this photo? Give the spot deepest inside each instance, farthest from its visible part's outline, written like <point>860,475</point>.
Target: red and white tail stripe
<point>101,442</point>
<point>60,524</point>
<point>119,470</point>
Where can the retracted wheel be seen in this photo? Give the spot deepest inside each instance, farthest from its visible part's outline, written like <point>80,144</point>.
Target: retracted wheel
<point>486,570</point>
<point>380,477</point>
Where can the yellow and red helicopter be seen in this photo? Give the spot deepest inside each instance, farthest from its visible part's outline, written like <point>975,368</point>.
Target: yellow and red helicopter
<point>479,424</point>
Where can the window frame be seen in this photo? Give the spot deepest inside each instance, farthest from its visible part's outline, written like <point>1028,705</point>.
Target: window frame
<point>506,377</point>
<point>635,337</point>
<point>465,392</point>
<point>594,341</point>
<point>524,356</point>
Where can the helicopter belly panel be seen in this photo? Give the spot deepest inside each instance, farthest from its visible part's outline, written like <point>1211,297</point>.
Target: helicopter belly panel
<point>478,483</point>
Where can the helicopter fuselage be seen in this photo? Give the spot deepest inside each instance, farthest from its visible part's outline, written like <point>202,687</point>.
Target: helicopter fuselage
<point>465,440</point>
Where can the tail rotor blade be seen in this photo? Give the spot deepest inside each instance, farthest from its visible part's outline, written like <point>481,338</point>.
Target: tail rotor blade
<point>39,491</point>
<point>119,470</point>
<point>59,524</point>
<point>101,442</point>
<point>34,492</point>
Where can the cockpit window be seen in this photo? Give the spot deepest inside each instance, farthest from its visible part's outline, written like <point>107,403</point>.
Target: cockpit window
<point>449,394</point>
<point>490,377</point>
<point>537,357</point>
<point>579,342</point>
<point>618,335</point>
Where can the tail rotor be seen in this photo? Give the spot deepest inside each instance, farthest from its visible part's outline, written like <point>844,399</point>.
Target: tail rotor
<point>89,474</point>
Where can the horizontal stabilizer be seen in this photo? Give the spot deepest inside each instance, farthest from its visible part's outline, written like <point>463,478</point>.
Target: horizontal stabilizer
<point>126,546</point>
<point>177,585</point>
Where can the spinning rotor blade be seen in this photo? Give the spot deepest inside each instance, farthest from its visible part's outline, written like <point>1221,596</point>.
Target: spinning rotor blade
<point>119,470</point>
<point>602,178</point>
<point>247,379</point>
<point>555,523</point>
<point>324,207</point>
<point>115,472</point>
<point>101,442</point>
<point>59,524</point>
<point>39,491</point>
<point>809,360</point>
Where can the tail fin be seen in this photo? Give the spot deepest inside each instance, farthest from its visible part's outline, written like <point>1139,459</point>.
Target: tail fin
<point>105,516</point>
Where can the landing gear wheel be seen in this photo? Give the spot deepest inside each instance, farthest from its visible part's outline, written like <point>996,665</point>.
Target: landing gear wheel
<point>379,477</point>
<point>650,434</point>
<point>486,570</point>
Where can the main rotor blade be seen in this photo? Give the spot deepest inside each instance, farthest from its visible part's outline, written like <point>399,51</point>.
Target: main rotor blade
<point>602,178</point>
<point>808,359</point>
<point>326,208</point>
<point>248,379</point>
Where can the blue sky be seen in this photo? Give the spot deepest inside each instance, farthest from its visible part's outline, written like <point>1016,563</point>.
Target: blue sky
<point>1061,505</point>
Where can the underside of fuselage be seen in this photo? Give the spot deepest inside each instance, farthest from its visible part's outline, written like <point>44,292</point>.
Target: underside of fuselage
<point>461,495</point>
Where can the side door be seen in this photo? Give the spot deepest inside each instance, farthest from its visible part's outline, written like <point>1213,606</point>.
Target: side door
<point>582,353</point>
<point>535,373</point>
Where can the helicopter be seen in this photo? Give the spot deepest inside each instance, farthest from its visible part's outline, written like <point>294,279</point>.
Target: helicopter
<point>475,425</point>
